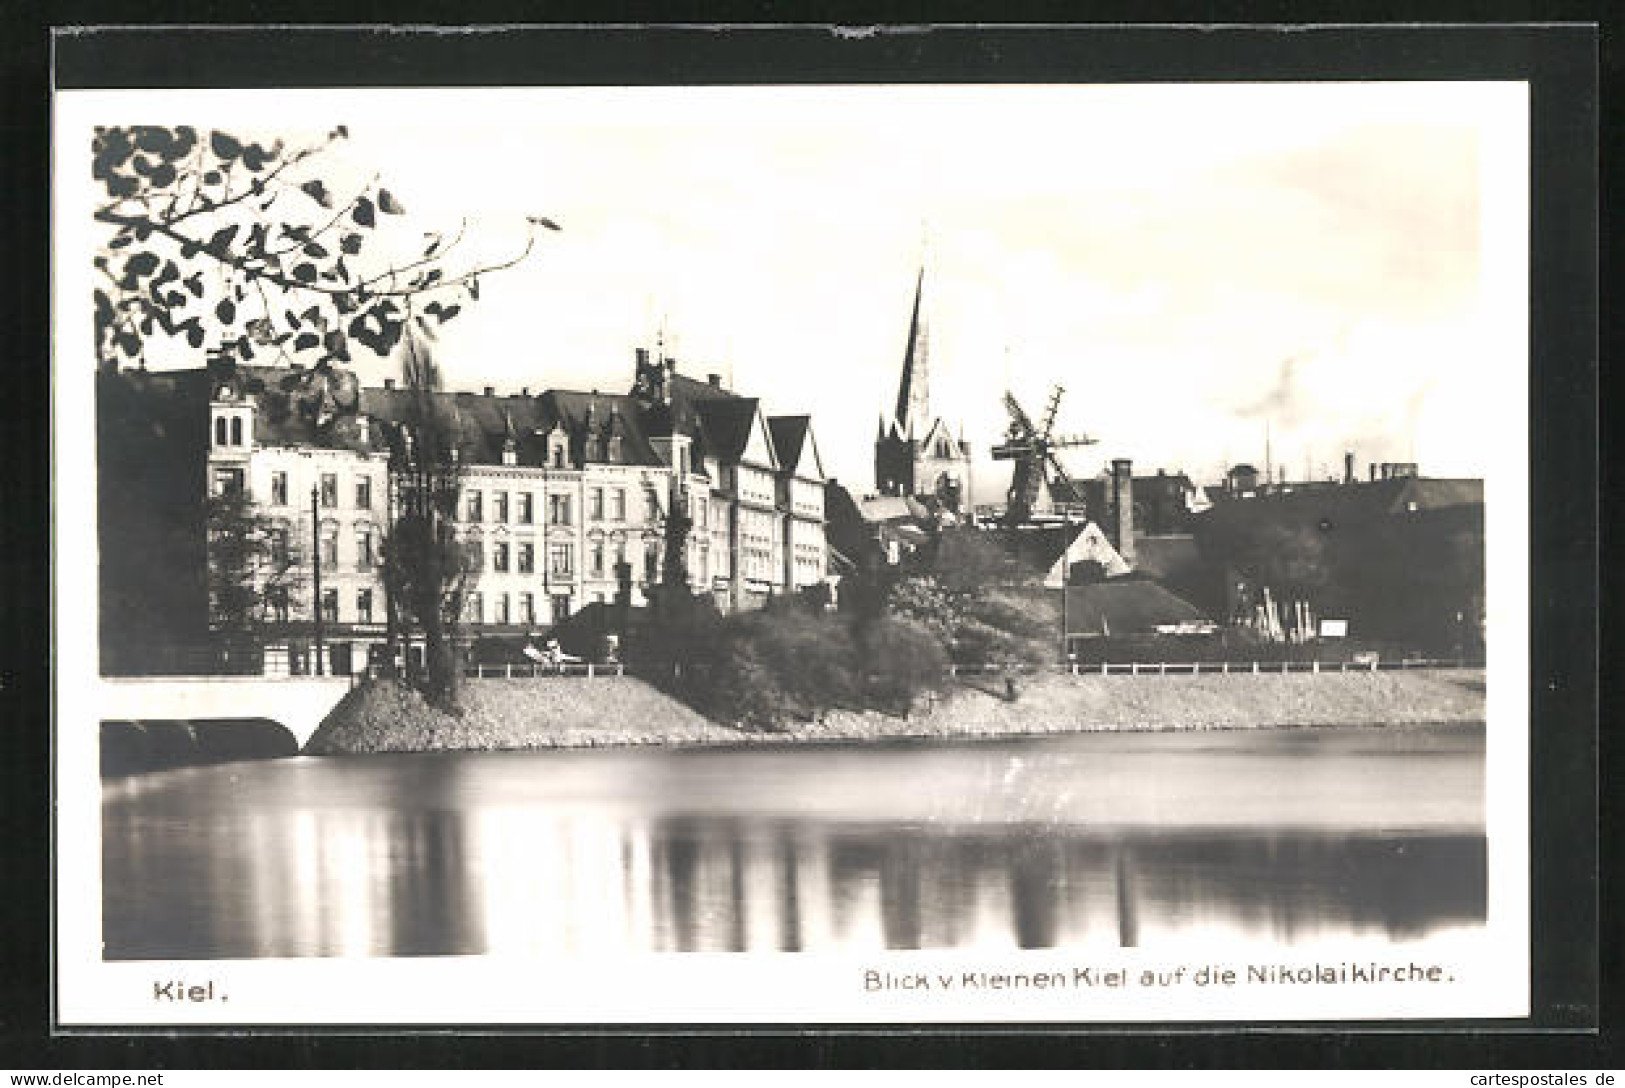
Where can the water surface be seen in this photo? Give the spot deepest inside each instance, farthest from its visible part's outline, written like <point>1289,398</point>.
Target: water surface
<point>1120,839</point>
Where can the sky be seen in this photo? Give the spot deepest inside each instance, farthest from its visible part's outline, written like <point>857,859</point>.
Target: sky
<point>1340,264</point>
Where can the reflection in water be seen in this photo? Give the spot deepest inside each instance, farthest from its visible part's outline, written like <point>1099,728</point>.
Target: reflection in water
<point>566,852</point>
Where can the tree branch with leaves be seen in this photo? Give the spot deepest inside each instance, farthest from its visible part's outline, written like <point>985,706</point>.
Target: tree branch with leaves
<point>257,245</point>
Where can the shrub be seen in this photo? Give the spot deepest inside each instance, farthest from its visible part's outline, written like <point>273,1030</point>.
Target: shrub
<point>901,658</point>
<point>767,669</point>
<point>923,600</point>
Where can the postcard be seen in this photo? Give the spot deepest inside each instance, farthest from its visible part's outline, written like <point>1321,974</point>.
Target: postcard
<point>792,554</point>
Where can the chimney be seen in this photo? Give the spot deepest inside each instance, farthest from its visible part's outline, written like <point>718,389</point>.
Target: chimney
<point>715,380</point>
<point>642,356</point>
<point>1348,467</point>
<point>490,390</point>
<point>524,391</point>
<point>389,383</point>
<point>1123,508</point>
<point>1372,468</point>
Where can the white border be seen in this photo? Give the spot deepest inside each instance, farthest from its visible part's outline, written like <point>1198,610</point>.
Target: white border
<point>1490,967</point>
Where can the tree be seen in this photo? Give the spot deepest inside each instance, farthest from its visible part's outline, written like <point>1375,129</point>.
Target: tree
<point>427,571</point>
<point>263,246</point>
<point>253,572</point>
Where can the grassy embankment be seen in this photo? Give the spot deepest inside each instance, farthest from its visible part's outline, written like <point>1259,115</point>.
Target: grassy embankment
<point>578,713</point>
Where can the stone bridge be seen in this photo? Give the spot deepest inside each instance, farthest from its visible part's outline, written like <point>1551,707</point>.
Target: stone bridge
<point>298,704</point>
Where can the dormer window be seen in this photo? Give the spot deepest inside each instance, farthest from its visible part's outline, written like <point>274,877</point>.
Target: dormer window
<point>558,455</point>
<point>510,453</point>
<point>220,431</point>
<point>236,430</point>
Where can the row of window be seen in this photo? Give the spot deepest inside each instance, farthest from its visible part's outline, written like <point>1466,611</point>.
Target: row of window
<point>521,558</point>
<point>277,599</point>
<point>603,504</point>
<point>327,490</point>
<point>501,613</point>
<point>366,546</point>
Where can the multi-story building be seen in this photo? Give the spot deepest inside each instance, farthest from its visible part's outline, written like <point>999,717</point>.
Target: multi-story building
<point>564,496</point>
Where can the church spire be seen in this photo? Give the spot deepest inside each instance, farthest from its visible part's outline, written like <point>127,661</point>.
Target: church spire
<point>913,395</point>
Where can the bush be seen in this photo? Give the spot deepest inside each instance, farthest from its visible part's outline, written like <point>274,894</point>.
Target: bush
<point>767,669</point>
<point>901,659</point>
<point>924,601</point>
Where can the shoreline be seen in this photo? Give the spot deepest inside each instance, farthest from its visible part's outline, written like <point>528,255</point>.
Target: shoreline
<point>623,712</point>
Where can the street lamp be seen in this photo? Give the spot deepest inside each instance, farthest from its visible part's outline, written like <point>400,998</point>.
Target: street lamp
<point>316,572</point>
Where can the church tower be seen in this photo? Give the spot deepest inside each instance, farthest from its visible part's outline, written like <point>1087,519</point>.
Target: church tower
<point>916,453</point>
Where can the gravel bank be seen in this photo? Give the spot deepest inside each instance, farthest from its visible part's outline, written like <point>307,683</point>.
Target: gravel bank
<point>612,711</point>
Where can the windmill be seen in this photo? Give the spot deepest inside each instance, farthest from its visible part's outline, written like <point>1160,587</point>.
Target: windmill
<point>1032,448</point>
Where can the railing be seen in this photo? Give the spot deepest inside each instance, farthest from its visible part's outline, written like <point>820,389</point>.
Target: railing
<point>585,670</point>
<point>1191,668</point>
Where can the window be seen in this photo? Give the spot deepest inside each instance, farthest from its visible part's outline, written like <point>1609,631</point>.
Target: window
<point>558,455</point>
<point>475,512</point>
<point>236,430</point>
<point>620,552</point>
<point>527,609</point>
<point>330,605</point>
<point>527,558</point>
<point>330,489</point>
<point>279,545</point>
<point>228,481</point>
<point>220,430</point>
<point>525,507</point>
<point>499,507</point>
<point>363,606</point>
<point>651,561</point>
<point>558,509</point>
<point>363,493</point>
<point>279,489</point>
<point>502,608</point>
<point>561,607</point>
<point>651,504</point>
<point>277,597</point>
<point>596,508</point>
<point>598,558</point>
<point>474,608</point>
<point>363,549</point>
<point>559,559</point>
<point>330,547</point>
<point>618,505</point>
<point>499,558</point>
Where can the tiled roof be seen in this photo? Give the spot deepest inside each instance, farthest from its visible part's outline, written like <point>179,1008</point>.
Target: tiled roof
<point>1125,606</point>
<point>1039,546</point>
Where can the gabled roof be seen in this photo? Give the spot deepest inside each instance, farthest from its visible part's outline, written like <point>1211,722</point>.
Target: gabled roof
<point>725,425</point>
<point>790,435</point>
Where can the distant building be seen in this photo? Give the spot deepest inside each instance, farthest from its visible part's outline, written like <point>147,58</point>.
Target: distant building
<point>917,454</point>
<point>1400,557</point>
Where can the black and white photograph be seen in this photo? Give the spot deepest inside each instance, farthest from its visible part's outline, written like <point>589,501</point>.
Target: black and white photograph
<point>793,553</point>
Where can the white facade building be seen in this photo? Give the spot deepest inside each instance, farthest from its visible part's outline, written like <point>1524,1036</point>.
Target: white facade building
<point>563,494</point>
